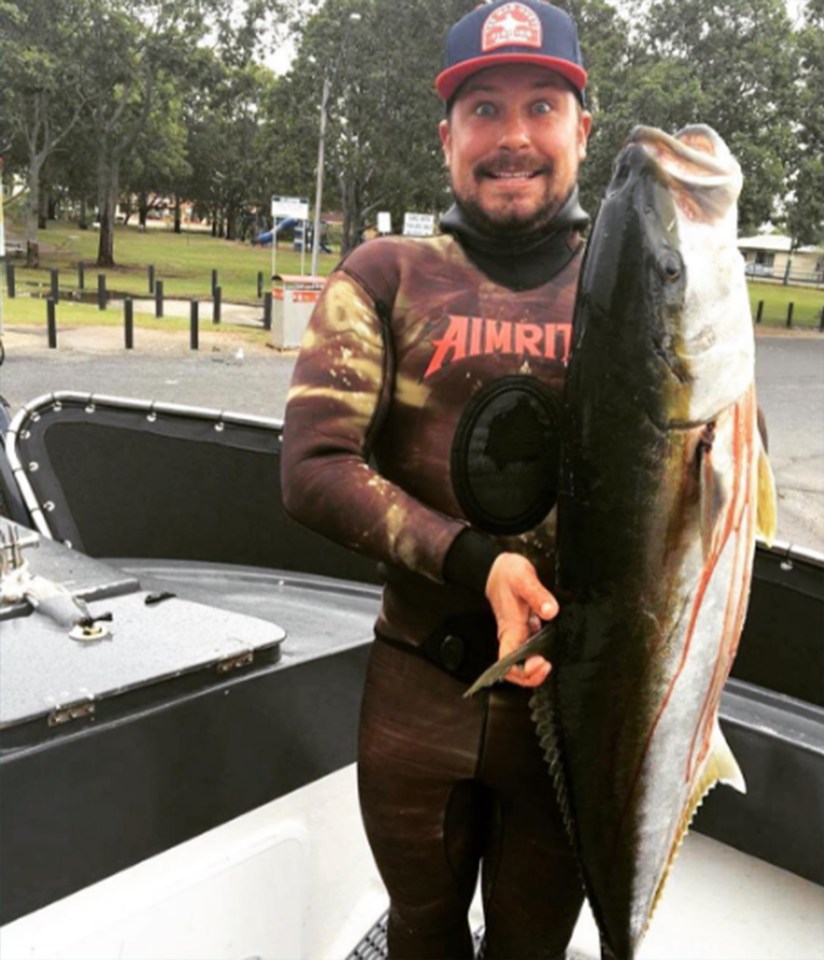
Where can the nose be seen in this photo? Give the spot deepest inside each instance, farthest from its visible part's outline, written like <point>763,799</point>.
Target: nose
<point>514,132</point>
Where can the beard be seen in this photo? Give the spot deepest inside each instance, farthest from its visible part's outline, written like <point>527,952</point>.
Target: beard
<point>507,222</point>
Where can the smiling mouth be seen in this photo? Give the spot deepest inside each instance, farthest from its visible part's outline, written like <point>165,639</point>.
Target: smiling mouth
<point>511,174</point>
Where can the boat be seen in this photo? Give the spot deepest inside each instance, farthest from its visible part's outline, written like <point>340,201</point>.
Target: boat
<point>181,667</point>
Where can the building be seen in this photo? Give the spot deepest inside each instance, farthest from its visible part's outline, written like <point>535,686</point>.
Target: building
<point>768,257</point>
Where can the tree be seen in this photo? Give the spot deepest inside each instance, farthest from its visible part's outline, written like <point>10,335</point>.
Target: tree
<point>41,77</point>
<point>382,146</point>
<point>805,209</point>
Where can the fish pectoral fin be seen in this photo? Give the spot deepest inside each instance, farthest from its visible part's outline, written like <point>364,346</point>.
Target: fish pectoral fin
<point>540,645</point>
<point>767,510</point>
<point>714,497</point>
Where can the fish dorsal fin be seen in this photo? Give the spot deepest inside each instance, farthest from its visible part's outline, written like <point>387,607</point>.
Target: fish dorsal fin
<point>767,512</point>
<point>720,766</point>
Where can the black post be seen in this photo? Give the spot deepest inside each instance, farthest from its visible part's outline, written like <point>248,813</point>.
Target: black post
<point>193,325</point>
<point>821,320</point>
<point>216,305</point>
<point>51,323</point>
<point>101,291</point>
<point>81,276</point>
<point>260,284</point>
<point>10,279</point>
<point>759,313</point>
<point>267,311</point>
<point>214,281</point>
<point>55,284</point>
<point>790,308</point>
<point>128,322</point>
<point>151,278</point>
<point>158,298</point>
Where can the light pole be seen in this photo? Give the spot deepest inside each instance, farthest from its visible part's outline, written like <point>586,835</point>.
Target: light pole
<point>324,99</point>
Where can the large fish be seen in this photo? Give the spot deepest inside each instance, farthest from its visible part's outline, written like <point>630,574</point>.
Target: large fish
<point>664,485</point>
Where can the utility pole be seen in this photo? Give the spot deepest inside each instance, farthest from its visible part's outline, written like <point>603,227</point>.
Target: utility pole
<point>319,183</point>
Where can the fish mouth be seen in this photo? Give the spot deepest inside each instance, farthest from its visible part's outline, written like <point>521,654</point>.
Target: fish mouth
<point>697,166</point>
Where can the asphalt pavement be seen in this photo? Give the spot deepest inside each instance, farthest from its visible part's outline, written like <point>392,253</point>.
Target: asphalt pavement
<point>234,372</point>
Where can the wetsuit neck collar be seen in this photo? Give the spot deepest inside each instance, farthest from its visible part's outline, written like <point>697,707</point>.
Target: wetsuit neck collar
<point>526,263</point>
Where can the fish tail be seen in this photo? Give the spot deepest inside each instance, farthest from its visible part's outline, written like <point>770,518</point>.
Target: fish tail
<point>541,644</point>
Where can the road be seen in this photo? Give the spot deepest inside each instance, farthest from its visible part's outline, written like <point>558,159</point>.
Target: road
<point>790,381</point>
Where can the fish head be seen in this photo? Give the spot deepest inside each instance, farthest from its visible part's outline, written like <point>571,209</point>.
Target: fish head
<point>664,274</point>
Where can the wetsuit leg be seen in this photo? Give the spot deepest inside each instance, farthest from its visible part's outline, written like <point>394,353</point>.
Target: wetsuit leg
<point>531,887</point>
<point>423,815</point>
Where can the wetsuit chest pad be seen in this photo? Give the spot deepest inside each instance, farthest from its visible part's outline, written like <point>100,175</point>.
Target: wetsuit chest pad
<point>505,455</point>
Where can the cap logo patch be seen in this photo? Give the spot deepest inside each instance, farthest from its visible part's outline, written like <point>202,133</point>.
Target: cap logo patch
<point>512,24</point>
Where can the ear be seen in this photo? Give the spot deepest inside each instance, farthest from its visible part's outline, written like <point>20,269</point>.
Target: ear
<point>584,127</point>
<point>446,140</point>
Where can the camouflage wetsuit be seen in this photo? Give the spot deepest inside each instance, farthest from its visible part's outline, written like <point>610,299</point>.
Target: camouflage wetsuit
<point>421,430</point>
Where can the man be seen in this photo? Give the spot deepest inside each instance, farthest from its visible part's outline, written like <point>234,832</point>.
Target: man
<point>422,431</point>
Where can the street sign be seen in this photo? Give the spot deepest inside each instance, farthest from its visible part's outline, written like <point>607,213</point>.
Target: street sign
<point>295,207</point>
<point>384,222</point>
<point>418,224</point>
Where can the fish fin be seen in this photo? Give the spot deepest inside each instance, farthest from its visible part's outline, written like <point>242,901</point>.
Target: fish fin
<point>713,494</point>
<point>767,511</point>
<point>719,767</point>
<point>540,644</point>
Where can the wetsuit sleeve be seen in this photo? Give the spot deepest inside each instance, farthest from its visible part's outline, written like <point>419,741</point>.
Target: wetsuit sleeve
<point>340,392</point>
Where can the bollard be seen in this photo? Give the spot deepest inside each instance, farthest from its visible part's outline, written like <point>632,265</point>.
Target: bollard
<point>158,298</point>
<point>55,284</point>
<point>821,320</point>
<point>151,278</point>
<point>128,323</point>
<point>101,291</point>
<point>790,308</point>
<point>81,276</point>
<point>216,306</point>
<point>267,311</point>
<point>260,284</point>
<point>193,325</point>
<point>10,279</point>
<point>51,323</point>
<point>214,281</point>
<point>759,311</point>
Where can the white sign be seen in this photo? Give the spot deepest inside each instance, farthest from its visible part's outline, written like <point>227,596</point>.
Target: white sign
<point>295,207</point>
<point>384,222</point>
<point>418,224</point>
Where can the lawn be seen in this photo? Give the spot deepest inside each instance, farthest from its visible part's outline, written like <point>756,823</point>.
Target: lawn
<point>183,262</point>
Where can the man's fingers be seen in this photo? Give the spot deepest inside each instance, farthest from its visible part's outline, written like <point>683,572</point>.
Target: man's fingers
<point>531,674</point>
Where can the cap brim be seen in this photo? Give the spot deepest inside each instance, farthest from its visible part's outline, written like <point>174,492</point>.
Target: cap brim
<point>448,81</point>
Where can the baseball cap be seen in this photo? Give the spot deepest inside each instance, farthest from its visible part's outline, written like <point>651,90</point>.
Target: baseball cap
<point>512,31</point>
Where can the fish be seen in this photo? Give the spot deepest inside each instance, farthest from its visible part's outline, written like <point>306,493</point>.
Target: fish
<point>665,486</point>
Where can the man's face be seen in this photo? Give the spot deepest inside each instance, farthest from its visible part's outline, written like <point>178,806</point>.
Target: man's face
<point>513,143</point>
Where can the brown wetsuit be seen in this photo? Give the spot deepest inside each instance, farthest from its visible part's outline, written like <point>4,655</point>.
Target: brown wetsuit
<point>422,430</point>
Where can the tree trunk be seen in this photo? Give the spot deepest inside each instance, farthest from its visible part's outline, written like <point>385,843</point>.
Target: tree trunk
<point>107,180</point>
<point>83,218</point>
<point>32,212</point>
<point>178,228</point>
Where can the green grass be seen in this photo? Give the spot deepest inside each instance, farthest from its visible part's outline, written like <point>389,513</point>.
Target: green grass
<point>808,304</point>
<point>184,262</point>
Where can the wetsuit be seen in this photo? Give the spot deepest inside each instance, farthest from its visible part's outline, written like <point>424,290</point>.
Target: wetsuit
<point>422,430</point>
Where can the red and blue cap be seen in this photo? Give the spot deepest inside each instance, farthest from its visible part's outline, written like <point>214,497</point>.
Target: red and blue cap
<point>512,31</point>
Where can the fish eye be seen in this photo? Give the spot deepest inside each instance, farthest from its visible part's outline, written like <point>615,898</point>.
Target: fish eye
<point>671,266</point>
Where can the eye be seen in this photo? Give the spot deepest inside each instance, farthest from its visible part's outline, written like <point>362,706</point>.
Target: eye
<point>671,266</point>
<point>542,108</point>
<point>484,109</point>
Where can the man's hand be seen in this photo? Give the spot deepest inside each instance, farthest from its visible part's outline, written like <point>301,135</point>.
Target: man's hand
<point>519,601</point>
